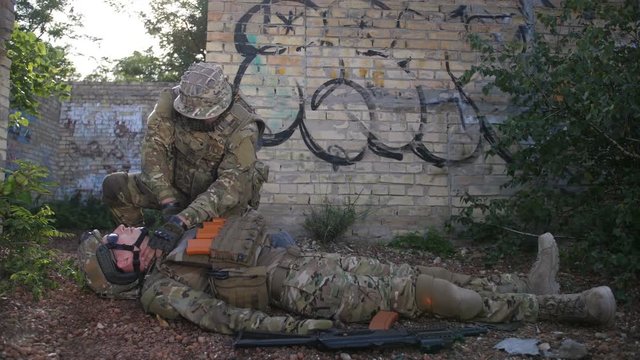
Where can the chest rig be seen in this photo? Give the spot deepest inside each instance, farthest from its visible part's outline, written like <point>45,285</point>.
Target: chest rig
<point>200,148</point>
<point>230,257</point>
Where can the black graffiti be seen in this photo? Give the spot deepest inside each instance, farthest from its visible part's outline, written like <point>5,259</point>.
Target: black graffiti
<point>372,53</point>
<point>406,11</point>
<point>92,149</point>
<point>485,127</point>
<point>404,64</point>
<point>547,3</point>
<point>288,21</point>
<point>461,12</point>
<point>337,155</point>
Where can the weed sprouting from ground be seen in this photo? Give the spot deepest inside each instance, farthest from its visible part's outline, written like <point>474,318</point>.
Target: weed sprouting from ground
<point>431,240</point>
<point>327,222</point>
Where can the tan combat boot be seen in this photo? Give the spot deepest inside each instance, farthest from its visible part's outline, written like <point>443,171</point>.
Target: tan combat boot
<point>440,297</point>
<point>541,279</point>
<point>596,306</point>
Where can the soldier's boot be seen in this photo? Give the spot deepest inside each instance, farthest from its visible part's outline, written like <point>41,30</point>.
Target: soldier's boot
<point>596,306</point>
<point>541,279</point>
<point>441,297</point>
<point>442,273</point>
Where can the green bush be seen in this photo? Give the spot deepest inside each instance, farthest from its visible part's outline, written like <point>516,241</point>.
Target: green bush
<point>575,169</point>
<point>76,213</point>
<point>431,240</point>
<point>327,222</point>
<point>26,229</point>
<point>152,218</point>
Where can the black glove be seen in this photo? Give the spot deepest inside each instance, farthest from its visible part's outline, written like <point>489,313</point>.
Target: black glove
<point>167,236</point>
<point>170,209</point>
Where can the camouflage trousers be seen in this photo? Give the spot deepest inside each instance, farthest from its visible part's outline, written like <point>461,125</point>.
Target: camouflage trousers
<point>171,299</point>
<point>126,195</point>
<point>354,289</point>
<point>331,286</point>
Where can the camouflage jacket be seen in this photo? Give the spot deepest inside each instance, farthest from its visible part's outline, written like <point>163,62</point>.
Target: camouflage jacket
<point>212,170</point>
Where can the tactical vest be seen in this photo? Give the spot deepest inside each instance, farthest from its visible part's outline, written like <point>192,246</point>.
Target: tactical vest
<point>200,150</point>
<point>232,272</point>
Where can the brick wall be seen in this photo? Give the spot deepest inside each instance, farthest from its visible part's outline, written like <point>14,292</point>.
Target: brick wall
<point>37,142</point>
<point>6,26</point>
<point>358,100</point>
<point>101,130</point>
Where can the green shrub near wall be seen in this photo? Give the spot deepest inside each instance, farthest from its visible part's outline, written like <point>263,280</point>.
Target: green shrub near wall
<point>576,172</point>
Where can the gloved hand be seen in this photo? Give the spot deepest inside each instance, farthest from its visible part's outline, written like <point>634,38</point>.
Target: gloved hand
<point>170,209</point>
<point>306,327</point>
<point>167,236</point>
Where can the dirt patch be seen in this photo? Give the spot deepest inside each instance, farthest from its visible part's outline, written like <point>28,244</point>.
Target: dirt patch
<point>73,323</point>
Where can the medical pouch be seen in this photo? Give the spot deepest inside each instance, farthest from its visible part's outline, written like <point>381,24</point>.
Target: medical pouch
<point>241,287</point>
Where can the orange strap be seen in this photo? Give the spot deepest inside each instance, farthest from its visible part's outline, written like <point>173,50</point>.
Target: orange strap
<point>201,244</point>
<point>383,320</point>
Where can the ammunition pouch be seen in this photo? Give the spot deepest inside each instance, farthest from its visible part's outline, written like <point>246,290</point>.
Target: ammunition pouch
<point>241,287</point>
<point>239,242</point>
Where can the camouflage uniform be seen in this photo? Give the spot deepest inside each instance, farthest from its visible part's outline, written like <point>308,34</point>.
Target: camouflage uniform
<point>354,289</point>
<point>210,169</point>
<point>316,285</point>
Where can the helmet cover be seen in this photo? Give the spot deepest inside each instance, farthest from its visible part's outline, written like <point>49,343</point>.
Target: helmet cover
<point>204,92</point>
<point>91,246</point>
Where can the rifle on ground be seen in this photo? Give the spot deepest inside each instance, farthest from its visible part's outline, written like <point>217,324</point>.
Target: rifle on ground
<point>429,340</point>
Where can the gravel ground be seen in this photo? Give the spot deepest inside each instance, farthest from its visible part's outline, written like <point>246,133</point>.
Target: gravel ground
<point>72,323</point>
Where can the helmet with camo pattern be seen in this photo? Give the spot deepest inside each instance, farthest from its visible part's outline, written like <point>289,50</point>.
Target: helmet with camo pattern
<point>92,268</point>
<point>204,92</point>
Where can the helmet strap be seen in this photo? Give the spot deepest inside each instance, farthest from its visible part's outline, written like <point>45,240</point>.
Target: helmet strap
<point>135,249</point>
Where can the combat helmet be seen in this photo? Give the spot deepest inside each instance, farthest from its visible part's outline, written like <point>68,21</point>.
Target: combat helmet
<point>100,272</point>
<point>204,92</point>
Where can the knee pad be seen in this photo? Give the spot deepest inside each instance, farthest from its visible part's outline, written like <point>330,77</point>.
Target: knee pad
<point>446,299</point>
<point>112,185</point>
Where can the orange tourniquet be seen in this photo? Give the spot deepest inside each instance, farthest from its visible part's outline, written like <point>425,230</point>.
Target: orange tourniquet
<point>383,320</point>
<point>201,245</point>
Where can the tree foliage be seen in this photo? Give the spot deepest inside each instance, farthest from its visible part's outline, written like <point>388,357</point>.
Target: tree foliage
<point>38,68</point>
<point>181,28</point>
<point>577,168</point>
<point>38,17</point>
<point>142,67</point>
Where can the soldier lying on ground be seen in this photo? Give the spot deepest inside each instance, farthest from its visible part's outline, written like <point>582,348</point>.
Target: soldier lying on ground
<point>198,158</point>
<point>220,295</point>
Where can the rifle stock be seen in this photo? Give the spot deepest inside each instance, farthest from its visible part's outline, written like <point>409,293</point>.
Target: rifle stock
<point>429,340</point>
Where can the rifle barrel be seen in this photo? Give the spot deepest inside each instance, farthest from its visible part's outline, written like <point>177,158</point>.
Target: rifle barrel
<point>429,340</point>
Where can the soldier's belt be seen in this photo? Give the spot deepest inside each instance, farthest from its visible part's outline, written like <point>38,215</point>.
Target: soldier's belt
<point>279,274</point>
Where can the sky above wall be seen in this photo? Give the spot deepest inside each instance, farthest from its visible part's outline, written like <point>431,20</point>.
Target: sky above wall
<point>121,33</point>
